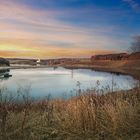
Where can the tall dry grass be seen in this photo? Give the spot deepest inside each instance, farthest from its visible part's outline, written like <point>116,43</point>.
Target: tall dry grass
<point>87,116</point>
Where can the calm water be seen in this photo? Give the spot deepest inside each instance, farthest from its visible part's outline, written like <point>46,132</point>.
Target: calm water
<point>62,82</point>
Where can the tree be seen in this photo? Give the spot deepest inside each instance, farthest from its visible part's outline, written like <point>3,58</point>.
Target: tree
<point>4,62</point>
<point>135,46</point>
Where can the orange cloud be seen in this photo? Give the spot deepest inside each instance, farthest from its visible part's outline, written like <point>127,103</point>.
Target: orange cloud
<point>26,32</point>
<point>51,52</point>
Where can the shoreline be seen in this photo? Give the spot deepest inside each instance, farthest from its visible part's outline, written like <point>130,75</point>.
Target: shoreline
<point>134,72</point>
<point>100,69</point>
<point>125,71</point>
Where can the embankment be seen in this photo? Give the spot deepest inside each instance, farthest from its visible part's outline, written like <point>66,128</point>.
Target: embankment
<point>131,67</point>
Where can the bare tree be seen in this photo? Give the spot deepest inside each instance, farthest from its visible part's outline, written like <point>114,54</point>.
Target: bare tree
<point>135,46</point>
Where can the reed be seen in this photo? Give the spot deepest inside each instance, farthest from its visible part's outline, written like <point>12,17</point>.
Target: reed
<point>87,116</point>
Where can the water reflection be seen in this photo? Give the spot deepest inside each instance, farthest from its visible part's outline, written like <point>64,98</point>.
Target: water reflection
<point>60,81</point>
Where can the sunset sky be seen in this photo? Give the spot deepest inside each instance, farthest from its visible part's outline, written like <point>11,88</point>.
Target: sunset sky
<point>67,28</point>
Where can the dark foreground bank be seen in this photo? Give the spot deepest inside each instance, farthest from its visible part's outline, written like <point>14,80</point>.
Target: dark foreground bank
<point>114,116</point>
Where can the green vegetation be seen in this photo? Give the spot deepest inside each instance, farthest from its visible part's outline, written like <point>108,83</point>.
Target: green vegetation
<point>87,116</point>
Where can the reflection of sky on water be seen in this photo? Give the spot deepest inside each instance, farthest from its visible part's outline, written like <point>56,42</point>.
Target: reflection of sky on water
<point>62,81</point>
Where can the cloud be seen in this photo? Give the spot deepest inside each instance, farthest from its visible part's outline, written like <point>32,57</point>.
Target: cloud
<point>134,5</point>
<point>41,32</point>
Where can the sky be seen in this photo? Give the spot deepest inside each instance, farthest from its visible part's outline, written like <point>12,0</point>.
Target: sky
<point>67,28</point>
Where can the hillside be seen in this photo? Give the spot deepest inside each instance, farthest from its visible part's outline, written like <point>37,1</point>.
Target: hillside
<point>120,63</point>
<point>118,56</point>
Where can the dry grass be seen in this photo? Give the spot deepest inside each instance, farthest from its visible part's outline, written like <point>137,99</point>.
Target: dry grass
<point>113,116</point>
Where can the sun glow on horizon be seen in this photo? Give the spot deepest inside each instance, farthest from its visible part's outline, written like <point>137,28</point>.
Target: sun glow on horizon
<point>47,29</point>
<point>14,50</point>
<point>12,47</point>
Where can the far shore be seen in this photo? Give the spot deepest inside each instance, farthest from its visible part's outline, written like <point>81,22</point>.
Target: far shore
<point>122,67</point>
<point>125,71</point>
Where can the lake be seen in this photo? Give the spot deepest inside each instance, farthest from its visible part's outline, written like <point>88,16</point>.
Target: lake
<point>63,83</point>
